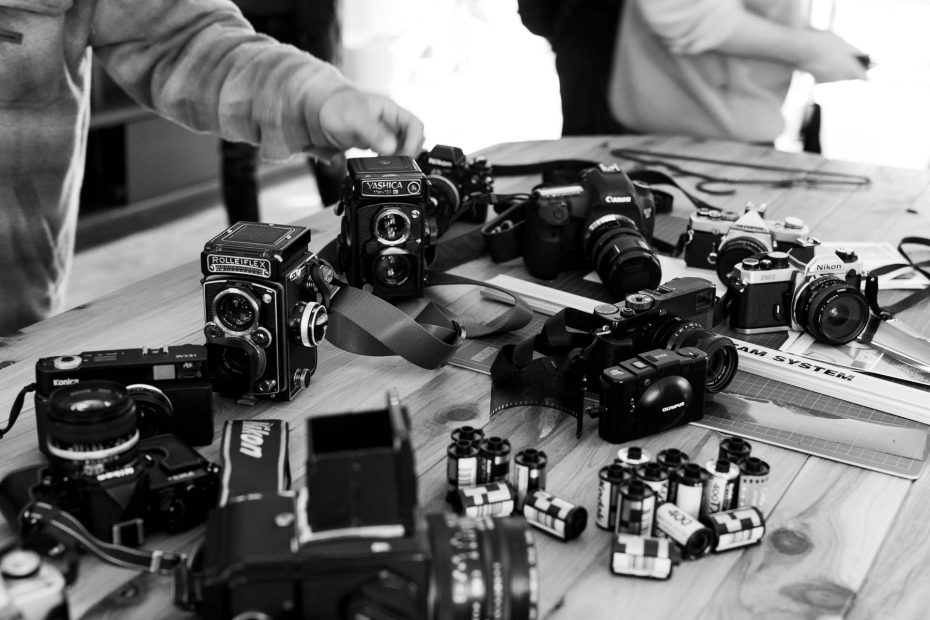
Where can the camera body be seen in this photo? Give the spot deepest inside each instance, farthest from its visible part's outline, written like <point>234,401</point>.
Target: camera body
<point>820,294</point>
<point>31,588</point>
<point>387,237</point>
<point>171,487</point>
<point>170,386</point>
<point>652,392</point>
<point>465,177</point>
<point>604,221</point>
<point>721,239</point>
<point>265,297</point>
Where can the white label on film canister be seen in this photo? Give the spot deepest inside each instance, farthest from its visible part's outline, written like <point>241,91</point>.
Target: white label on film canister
<point>688,498</point>
<point>544,521</point>
<point>607,496</point>
<point>677,523</point>
<point>753,492</point>
<point>464,471</point>
<point>639,566</point>
<point>742,538</point>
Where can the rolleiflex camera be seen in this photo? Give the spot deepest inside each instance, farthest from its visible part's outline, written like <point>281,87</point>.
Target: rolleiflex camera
<point>652,392</point>
<point>456,180</point>
<point>118,486</point>
<point>265,297</point>
<point>721,239</point>
<point>31,588</point>
<point>170,386</point>
<point>605,222</point>
<point>350,545</point>
<point>819,294</point>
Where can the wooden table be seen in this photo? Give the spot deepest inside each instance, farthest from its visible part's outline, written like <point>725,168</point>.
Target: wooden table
<point>841,541</point>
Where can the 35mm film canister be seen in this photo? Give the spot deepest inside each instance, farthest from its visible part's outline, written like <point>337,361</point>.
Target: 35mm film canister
<point>494,499</point>
<point>610,477</point>
<point>529,473</point>
<point>721,487</point>
<point>642,556</point>
<point>734,449</point>
<point>554,515</point>
<point>469,434</point>
<point>686,488</point>
<point>632,457</point>
<point>637,508</point>
<point>672,458</point>
<point>735,528</point>
<point>461,467</point>
<point>493,460</point>
<point>656,478</point>
<point>692,537</point>
<point>753,483</point>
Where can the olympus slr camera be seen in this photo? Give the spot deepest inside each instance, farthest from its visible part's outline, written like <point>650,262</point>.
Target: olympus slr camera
<point>119,486</point>
<point>265,297</point>
<point>604,222</point>
<point>819,294</point>
<point>455,181</point>
<point>350,544</point>
<point>721,239</point>
<point>31,588</point>
<point>169,385</point>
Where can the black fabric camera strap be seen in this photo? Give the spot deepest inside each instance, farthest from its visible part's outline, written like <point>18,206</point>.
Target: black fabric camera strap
<point>255,460</point>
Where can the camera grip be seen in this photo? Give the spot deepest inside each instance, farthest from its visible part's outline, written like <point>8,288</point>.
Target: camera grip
<point>542,246</point>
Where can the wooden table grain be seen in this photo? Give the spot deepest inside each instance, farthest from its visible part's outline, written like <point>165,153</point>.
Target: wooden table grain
<point>840,542</point>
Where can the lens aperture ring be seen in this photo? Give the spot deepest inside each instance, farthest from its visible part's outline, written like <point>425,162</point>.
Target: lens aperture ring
<point>820,311</point>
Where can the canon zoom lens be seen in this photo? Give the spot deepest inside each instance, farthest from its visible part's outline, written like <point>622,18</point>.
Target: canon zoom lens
<point>92,428</point>
<point>830,310</point>
<point>620,255</point>
<point>483,568</point>
<point>722,358</point>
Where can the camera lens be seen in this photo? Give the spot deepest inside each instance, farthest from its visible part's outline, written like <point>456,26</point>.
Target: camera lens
<point>722,358</point>
<point>621,256</point>
<point>831,311</point>
<point>92,428</point>
<point>483,568</point>
<point>392,226</point>
<point>392,270</point>
<point>732,252</point>
<point>154,410</point>
<point>236,310</point>
<point>237,364</point>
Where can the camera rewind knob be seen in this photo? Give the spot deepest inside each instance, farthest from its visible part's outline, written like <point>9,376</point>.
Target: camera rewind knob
<point>847,255</point>
<point>639,302</point>
<point>795,223</point>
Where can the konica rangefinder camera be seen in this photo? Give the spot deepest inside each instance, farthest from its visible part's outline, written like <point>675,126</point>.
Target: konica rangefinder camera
<point>31,588</point>
<point>455,181</point>
<point>387,237</point>
<point>120,487</point>
<point>819,294</point>
<point>652,392</point>
<point>265,297</point>
<point>675,315</point>
<point>351,545</point>
<point>721,239</point>
<point>170,386</point>
<point>604,222</point>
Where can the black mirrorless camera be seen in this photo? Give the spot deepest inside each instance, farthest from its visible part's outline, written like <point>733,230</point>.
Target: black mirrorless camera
<point>265,297</point>
<point>721,239</point>
<point>819,294</point>
<point>170,386</point>
<point>119,486</point>
<point>456,180</point>
<point>604,222</point>
<point>350,544</point>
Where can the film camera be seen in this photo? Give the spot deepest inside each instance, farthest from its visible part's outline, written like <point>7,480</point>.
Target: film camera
<point>350,545</point>
<point>604,221</point>
<point>819,294</point>
<point>170,387</point>
<point>721,239</point>
<point>455,180</point>
<point>118,486</point>
<point>265,300</point>
<point>30,588</point>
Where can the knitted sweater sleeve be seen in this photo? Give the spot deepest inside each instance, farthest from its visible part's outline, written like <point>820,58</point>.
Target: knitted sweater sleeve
<point>691,26</point>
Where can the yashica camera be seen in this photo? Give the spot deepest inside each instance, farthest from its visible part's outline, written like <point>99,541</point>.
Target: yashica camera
<point>604,222</point>
<point>675,315</point>
<point>170,386</point>
<point>455,180</point>
<point>351,544</point>
<point>652,392</point>
<point>265,297</point>
<point>31,588</point>
<point>820,294</point>
<point>721,239</point>
<point>387,237</point>
<point>118,486</point>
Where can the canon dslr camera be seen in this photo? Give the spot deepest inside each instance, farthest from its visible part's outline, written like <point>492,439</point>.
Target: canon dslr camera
<point>265,297</point>
<point>455,181</point>
<point>604,222</point>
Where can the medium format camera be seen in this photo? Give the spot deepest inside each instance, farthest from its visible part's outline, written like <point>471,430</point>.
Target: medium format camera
<point>819,294</point>
<point>350,544</point>
<point>721,239</point>
<point>118,486</point>
<point>170,387</point>
<point>604,222</point>
<point>265,297</point>
<point>30,588</point>
<point>677,314</point>
<point>652,392</point>
<point>387,237</point>
<point>455,180</point>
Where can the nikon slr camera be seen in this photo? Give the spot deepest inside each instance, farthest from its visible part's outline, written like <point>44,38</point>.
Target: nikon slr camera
<point>604,222</point>
<point>265,297</point>
<point>459,179</point>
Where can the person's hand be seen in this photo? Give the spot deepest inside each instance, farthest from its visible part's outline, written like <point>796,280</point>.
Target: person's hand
<point>352,118</point>
<point>829,58</point>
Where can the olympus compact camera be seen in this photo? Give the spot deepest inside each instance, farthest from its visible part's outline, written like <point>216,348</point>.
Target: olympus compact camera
<point>819,294</point>
<point>604,222</point>
<point>170,386</point>
<point>721,239</point>
<point>455,180</point>
<point>351,545</point>
<point>119,486</point>
<point>265,297</point>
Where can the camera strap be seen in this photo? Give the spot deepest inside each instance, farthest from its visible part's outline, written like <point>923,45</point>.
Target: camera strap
<point>255,461</point>
<point>17,408</point>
